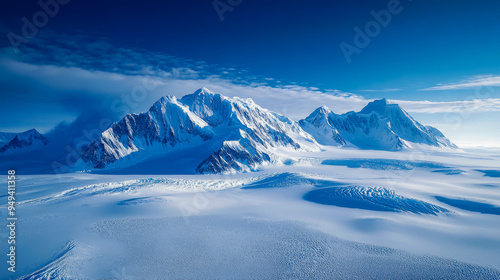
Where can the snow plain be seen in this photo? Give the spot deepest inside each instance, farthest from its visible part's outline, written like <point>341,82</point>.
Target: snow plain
<point>337,214</point>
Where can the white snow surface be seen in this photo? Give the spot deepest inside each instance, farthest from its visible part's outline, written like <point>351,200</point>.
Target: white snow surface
<point>337,214</point>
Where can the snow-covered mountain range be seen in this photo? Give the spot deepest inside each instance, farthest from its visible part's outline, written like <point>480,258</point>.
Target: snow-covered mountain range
<point>228,134</point>
<point>205,132</point>
<point>380,126</point>
<point>29,140</point>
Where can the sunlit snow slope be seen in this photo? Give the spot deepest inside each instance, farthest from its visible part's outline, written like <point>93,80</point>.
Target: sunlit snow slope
<point>226,134</point>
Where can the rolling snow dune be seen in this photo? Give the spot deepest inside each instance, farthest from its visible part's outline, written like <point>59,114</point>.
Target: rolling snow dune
<point>490,173</point>
<point>376,199</point>
<point>288,179</point>
<point>55,269</point>
<point>384,164</point>
<point>296,221</point>
<point>210,247</point>
<point>471,205</point>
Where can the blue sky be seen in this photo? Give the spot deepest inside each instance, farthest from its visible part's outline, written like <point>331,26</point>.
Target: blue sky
<point>440,61</point>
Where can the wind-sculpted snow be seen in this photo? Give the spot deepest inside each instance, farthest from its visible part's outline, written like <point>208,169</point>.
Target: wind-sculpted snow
<point>140,200</point>
<point>212,247</point>
<point>271,180</point>
<point>288,179</point>
<point>449,171</point>
<point>391,164</point>
<point>300,221</point>
<point>131,186</point>
<point>379,126</point>
<point>55,269</point>
<point>497,185</point>
<point>470,205</point>
<point>490,173</point>
<point>376,199</point>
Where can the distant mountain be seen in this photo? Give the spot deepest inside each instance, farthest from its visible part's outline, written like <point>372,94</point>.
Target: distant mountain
<point>21,142</point>
<point>320,126</point>
<point>226,134</point>
<point>206,132</point>
<point>5,137</point>
<point>380,125</point>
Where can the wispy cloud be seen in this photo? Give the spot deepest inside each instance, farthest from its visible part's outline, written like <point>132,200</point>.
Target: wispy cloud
<point>380,90</point>
<point>465,106</point>
<point>70,77</point>
<point>473,82</point>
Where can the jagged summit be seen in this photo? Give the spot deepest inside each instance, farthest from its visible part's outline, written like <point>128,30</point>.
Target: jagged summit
<point>229,134</point>
<point>379,106</point>
<point>201,95</point>
<point>22,142</point>
<point>206,132</point>
<point>320,112</point>
<point>379,125</point>
<point>225,134</point>
<point>203,90</point>
<point>320,126</point>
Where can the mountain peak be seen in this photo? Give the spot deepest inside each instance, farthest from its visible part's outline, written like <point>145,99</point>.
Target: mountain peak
<point>235,134</point>
<point>378,106</point>
<point>322,111</point>
<point>318,125</point>
<point>30,132</point>
<point>200,96</point>
<point>203,91</point>
<point>390,128</point>
<point>24,141</point>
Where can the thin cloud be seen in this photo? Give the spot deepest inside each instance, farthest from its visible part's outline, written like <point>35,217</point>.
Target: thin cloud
<point>464,106</point>
<point>474,82</point>
<point>75,78</point>
<point>380,90</point>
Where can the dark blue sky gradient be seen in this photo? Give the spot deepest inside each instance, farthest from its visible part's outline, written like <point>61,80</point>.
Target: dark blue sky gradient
<point>429,42</point>
<point>68,70</point>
